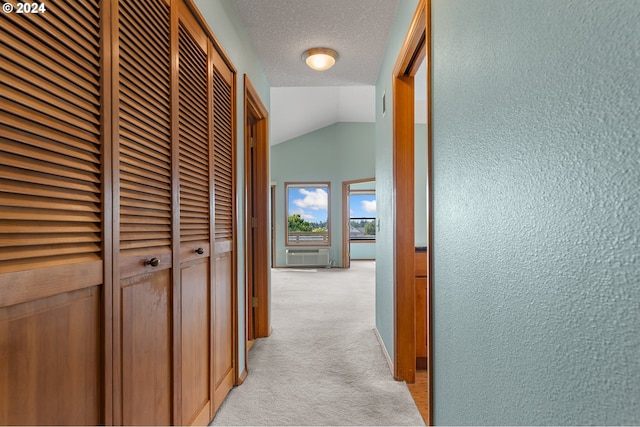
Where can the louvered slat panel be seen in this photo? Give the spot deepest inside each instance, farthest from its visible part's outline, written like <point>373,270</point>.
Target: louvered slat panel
<point>56,44</point>
<point>145,127</point>
<point>50,202</point>
<point>30,61</point>
<point>194,141</point>
<point>44,226</point>
<point>52,141</point>
<point>44,178</point>
<point>223,155</point>
<point>75,18</point>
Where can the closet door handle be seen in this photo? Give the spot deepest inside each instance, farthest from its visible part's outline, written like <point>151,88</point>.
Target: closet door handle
<point>153,262</point>
<point>199,251</point>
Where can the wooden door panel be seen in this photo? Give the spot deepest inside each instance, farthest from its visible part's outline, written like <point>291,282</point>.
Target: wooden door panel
<point>223,356</point>
<point>194,168</point>
<point>52,236</point>
<point>144,133</point>
<point>146,349</point>
<point>194,297</point>
<point>224,297</point>
<point>144,190</point>
<point>50,360</point>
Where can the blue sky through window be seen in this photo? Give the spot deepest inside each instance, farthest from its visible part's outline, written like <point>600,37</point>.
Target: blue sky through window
<point>310,202</point>
<point>362,205</point>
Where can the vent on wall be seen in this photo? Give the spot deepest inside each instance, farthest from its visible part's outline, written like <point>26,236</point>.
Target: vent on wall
<point>308,257</point>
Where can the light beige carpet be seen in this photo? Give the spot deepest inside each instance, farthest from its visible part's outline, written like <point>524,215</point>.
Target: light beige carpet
<point>322,365</point>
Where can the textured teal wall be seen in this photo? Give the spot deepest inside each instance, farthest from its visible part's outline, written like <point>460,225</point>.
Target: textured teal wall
<point>363,250</point>
<point>536,114</point>
<point>384,176</point>
<point>336,153</point>
<point>227,27</point>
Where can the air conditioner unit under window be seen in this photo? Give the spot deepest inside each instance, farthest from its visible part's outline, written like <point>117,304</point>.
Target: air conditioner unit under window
<point>308,257</point>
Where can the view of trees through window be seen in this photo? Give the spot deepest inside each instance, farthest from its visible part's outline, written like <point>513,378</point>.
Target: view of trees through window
<point>307,213</point>
<point>362,217</point>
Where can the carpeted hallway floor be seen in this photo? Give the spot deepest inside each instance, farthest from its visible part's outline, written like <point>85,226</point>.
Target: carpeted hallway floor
<point>322,364</point>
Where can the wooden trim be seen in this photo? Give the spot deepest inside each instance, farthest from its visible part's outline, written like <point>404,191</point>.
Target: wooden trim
<point>235,212</point>
<point>286,212</point>
<point>248,235</point>
<point>242,377</point>
<point>47,282</point>
<point>106,46</point>
<point>212,231</point>
<point>263,320</point>
<point>256,105</point>
<point>384,350</point>
<point>272,225</point>
<point>176,14</point>
<point>429,59</point>
<point>409,57</point>
<point>346,253</point>
<point>346,240</point>
<point>216,44</point>
<point>411,54</point>
<point>116,354</point>
<point>256,161</point>
<point>404,234</point>
<point>203,417</point>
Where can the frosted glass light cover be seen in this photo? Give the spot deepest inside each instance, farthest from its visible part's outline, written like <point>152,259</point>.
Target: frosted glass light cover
<point>320,59</point>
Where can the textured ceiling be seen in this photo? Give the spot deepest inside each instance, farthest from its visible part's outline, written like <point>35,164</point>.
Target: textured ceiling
<point>281,30</point>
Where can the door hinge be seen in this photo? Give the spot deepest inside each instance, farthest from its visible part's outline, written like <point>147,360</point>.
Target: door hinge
<point>252,142</point>
<point>254,302</point>
<point>254,222</point>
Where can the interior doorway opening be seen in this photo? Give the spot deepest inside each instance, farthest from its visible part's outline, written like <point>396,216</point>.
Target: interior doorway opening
<point>359,222</point>
<point>257,226</point>
<point>412,261</point>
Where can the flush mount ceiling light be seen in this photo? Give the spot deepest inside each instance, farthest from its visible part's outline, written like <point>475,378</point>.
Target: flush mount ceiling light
<point>320,58</point>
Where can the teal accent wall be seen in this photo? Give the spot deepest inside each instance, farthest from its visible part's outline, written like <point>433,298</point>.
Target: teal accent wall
<point>384,176</point>
<point>536,114</point>
<point>230,33</point>
<point>363,250</point>
<point>336,153</point>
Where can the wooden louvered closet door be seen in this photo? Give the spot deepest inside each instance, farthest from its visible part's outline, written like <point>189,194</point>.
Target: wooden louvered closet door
<point>143,299</point>
<point>51,210</point>
<point>117,215</point>
<point>195,222</point>
<point>224,248</point>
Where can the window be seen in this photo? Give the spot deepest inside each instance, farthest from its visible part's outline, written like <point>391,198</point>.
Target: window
<point>362,217</point>
<point>307,214</point>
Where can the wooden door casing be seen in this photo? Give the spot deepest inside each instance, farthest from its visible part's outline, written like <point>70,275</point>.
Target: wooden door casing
<point>257,271</point>
<point>251,224</point>
<point>346,226</point>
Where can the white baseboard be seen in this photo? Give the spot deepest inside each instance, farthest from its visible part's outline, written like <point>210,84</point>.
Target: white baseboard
<point>384,349</point>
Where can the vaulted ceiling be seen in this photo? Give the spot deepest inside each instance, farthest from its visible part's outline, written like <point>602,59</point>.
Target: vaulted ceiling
<point>303,100</point>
